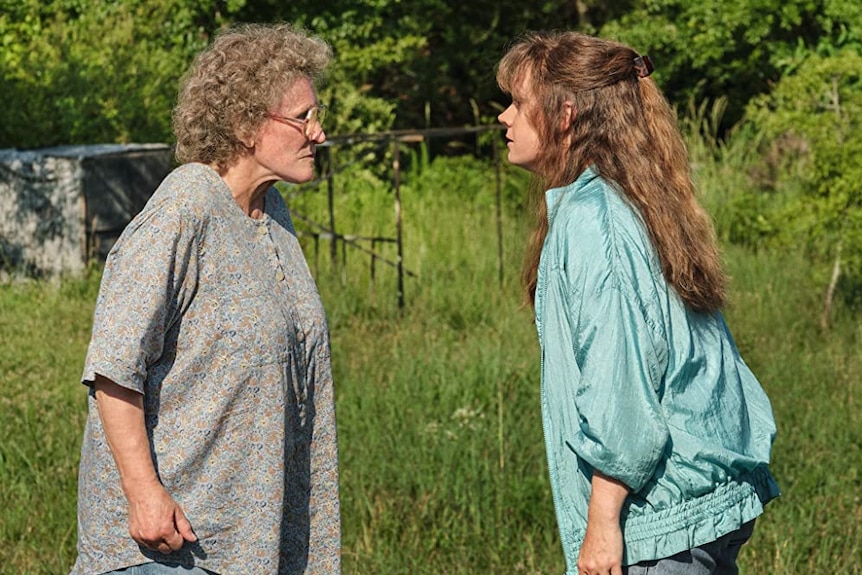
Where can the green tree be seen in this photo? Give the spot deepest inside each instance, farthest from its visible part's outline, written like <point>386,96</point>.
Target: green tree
<point>418,63</point>
<point>84,71</point>
<point>819,109</point>
<point>736,49</point>
<point>89,71</point>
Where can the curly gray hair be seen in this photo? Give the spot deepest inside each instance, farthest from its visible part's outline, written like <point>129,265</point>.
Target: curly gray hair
<point>225,95</point>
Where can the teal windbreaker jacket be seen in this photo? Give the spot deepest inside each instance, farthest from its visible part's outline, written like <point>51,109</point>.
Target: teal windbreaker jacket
<point>641,388</point>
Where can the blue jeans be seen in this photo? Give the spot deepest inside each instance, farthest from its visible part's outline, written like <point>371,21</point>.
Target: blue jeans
<point>716,558</point>
<point>160,569</point>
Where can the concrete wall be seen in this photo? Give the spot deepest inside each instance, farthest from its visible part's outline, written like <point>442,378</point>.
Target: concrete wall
<point>61,207</point>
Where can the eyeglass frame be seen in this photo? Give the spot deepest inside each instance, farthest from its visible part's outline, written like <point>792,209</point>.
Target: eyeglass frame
<point>314,115</point>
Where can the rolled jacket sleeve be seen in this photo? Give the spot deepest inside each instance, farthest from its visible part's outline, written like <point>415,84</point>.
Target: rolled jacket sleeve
<point>610,295</point>
<point>622,431</point>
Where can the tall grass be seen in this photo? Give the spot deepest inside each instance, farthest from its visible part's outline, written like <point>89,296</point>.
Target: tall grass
<point>43,332</point>
<point>440,434</point>
<point>814,379</point>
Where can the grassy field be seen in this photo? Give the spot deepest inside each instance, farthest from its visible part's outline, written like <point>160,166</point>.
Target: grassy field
<point>440,434</point>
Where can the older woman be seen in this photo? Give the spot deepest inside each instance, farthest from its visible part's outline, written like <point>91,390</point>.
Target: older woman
<point>210,445</point>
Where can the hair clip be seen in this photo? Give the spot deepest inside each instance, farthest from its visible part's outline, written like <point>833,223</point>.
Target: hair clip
<point>643,66</point>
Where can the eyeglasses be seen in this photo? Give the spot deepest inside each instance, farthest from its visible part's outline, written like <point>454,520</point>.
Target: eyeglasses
<point>312,123</point>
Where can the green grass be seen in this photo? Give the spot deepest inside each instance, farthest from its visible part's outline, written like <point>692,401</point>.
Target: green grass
<point>44,329</point>
<point>813,378</point>
<point>440,434</point>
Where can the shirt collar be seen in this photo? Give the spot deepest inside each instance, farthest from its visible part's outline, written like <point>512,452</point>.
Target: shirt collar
<point>554,196</point>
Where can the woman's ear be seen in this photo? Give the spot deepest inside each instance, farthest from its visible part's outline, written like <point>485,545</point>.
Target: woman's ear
<point>246,136</point>
<point>248,140</point>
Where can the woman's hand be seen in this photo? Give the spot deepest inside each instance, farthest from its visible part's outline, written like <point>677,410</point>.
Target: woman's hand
<point>602,549</point>
<point>156,521</point>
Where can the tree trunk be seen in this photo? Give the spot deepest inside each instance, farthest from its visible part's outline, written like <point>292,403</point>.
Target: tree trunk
<point>830,291</point>
<point>583,13</point>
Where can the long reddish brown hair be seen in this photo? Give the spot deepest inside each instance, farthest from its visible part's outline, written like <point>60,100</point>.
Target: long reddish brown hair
<point>624,127</point>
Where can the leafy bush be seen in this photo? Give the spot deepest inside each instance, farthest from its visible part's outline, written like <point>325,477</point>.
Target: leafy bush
<point>819,109</point>
<point>733,48</point>
<point>88,71</point>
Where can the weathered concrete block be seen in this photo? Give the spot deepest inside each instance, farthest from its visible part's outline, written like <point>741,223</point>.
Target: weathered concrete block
<point>61,207</point>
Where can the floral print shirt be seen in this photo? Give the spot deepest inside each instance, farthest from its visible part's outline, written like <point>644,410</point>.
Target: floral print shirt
<point>214,317</point>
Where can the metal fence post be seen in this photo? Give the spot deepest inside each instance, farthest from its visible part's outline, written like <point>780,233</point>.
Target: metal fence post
<point>330,196</point>
<point>396,166</point>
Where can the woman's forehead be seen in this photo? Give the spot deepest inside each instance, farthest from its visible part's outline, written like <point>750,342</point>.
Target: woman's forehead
<point>299,93</point>
<point>521,84</point>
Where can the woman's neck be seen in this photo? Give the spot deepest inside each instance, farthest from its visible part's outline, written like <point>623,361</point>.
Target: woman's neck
<point>247,189</point>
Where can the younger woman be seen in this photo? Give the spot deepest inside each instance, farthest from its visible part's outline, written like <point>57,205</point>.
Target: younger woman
<point>658,435</point>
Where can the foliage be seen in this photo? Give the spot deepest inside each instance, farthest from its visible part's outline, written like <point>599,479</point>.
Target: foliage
<point>94,71</point>
<point>44,329</point>
<point>727,170</point>
<point>91,71</point>
<point>733,48</point>
<point>427,58</point>
<point>814,116</point>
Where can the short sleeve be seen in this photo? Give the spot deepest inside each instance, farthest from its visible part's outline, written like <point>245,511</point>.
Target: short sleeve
<point>150,276</point>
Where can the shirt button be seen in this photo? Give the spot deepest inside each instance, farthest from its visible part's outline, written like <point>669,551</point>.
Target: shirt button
<point>279,276</point>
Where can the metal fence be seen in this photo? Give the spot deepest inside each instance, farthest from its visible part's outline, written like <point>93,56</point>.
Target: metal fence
<point>368,245</point>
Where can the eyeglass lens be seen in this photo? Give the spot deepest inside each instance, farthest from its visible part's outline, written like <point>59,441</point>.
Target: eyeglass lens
<point>316,114</point>
<point>314,120</point>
